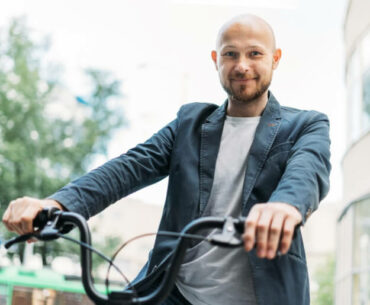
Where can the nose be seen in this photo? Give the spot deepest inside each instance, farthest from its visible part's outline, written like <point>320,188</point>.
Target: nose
<point>242,65</point>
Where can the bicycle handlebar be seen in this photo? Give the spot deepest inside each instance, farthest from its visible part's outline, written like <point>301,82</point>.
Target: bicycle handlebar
<point>52,222</point>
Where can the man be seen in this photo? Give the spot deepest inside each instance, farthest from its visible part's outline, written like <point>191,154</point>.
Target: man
<point>249,156</point>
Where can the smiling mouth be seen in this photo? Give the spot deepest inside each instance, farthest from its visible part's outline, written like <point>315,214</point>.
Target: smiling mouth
<point>243,80</point>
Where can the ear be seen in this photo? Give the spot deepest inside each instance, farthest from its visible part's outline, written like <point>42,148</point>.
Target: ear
<point>214,58</point>
<point>276,58</point>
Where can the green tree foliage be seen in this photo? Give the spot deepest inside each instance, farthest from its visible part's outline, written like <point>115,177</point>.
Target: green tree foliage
<point>324,278</point>
<point>40,151</point>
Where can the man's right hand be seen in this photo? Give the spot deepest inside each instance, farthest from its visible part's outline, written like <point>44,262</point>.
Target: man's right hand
<point>21,212</point>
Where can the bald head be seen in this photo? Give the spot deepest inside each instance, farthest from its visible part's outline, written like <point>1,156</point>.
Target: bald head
<point>253,22</point>
<point>245,58</point>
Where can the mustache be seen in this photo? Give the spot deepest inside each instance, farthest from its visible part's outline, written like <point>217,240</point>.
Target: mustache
<point>238,75</point>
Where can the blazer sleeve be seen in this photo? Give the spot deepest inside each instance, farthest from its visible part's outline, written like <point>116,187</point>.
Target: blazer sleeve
<point>305,181</point>
<point>141,166</point>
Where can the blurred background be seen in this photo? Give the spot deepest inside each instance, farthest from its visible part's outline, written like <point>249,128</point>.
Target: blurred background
<point>83,81</point>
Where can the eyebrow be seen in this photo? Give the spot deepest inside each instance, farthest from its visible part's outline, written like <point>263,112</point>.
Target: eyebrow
<point>228,46</point>
<point>234,47</point>
<point>256,47</point>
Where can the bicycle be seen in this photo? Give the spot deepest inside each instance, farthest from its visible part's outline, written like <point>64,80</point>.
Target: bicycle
<point>53,223</point>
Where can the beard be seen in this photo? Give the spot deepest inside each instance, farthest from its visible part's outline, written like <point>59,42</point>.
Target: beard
<point>239,94</point>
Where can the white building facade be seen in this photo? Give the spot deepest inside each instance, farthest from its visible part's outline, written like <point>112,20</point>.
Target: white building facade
<point>353,234</point>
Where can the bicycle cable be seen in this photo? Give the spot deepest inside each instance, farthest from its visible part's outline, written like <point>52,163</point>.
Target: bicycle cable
<point>161,233</point>
<point>111,260</point>
<point>111,263</point>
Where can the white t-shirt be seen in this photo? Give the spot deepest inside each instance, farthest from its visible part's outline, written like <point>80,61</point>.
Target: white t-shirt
<point>213,275</point>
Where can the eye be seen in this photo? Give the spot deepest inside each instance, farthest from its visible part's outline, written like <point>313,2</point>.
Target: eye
<point>255,53</point>
<point>230,54</point>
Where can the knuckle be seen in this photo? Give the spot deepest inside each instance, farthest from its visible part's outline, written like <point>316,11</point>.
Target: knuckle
<point>16,202</point>
<point>284,244</point>
<point>5,216</point>
<point>250,222</point>
<point>262,227</point>
<point>17,221</point>
<point>24,219</point>
<point>13,222</point>
<point>275,230</point>
<point>248,237</point>
<point>280,214</point>
<point>23,200</point>
<point>256,207</point>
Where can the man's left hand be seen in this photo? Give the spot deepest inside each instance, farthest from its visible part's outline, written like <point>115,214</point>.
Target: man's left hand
<point>270,226</point>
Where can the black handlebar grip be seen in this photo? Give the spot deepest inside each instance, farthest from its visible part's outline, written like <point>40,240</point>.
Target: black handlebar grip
<point>239,224</point>
<point>40,220</point>
<point>43,217</point>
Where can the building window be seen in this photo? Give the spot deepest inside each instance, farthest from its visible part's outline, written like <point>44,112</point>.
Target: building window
<point>354,95</point>
<point>353,254</point>
<point>366,51</point>
<point>361,253</point>
<point>366,79</point>
<point>366,94</point>
<point>358,84</point>
<point>366,98</point>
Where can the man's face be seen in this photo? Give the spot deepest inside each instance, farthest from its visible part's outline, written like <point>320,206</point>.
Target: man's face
<point>245,60</point>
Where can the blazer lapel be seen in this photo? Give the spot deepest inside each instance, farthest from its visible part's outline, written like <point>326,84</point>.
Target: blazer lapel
<point>265,135</point>
<point>209,146</point>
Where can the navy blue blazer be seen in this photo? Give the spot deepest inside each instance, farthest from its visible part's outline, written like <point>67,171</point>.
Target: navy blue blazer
<point>288,162</point>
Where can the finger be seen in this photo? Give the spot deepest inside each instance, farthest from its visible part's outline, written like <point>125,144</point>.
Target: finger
<point>21,214</point>
<point>11,228</point>
<point>274,234</point>
<point>13,221</point>
<point>26,225</point>
<point>6,217</point>
<point>8,220</point>
<point>31,240</point>
<point>287,235</point>
<point>27,220</point>
<point>15,228</point>
<point>263,227</point>
<point>250,228</point>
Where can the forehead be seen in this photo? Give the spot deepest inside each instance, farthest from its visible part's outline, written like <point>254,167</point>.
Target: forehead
<point>245,34</point>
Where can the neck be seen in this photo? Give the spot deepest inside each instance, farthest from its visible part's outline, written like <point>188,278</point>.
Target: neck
<point>251,108</point>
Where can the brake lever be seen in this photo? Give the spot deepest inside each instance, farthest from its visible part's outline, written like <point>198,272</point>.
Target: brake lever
<point>237,226</point>
<point>228,237</point>
<point>50,230</point>
<point>45,215</point>
<point>18,239</point>
<point>46,221</point>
